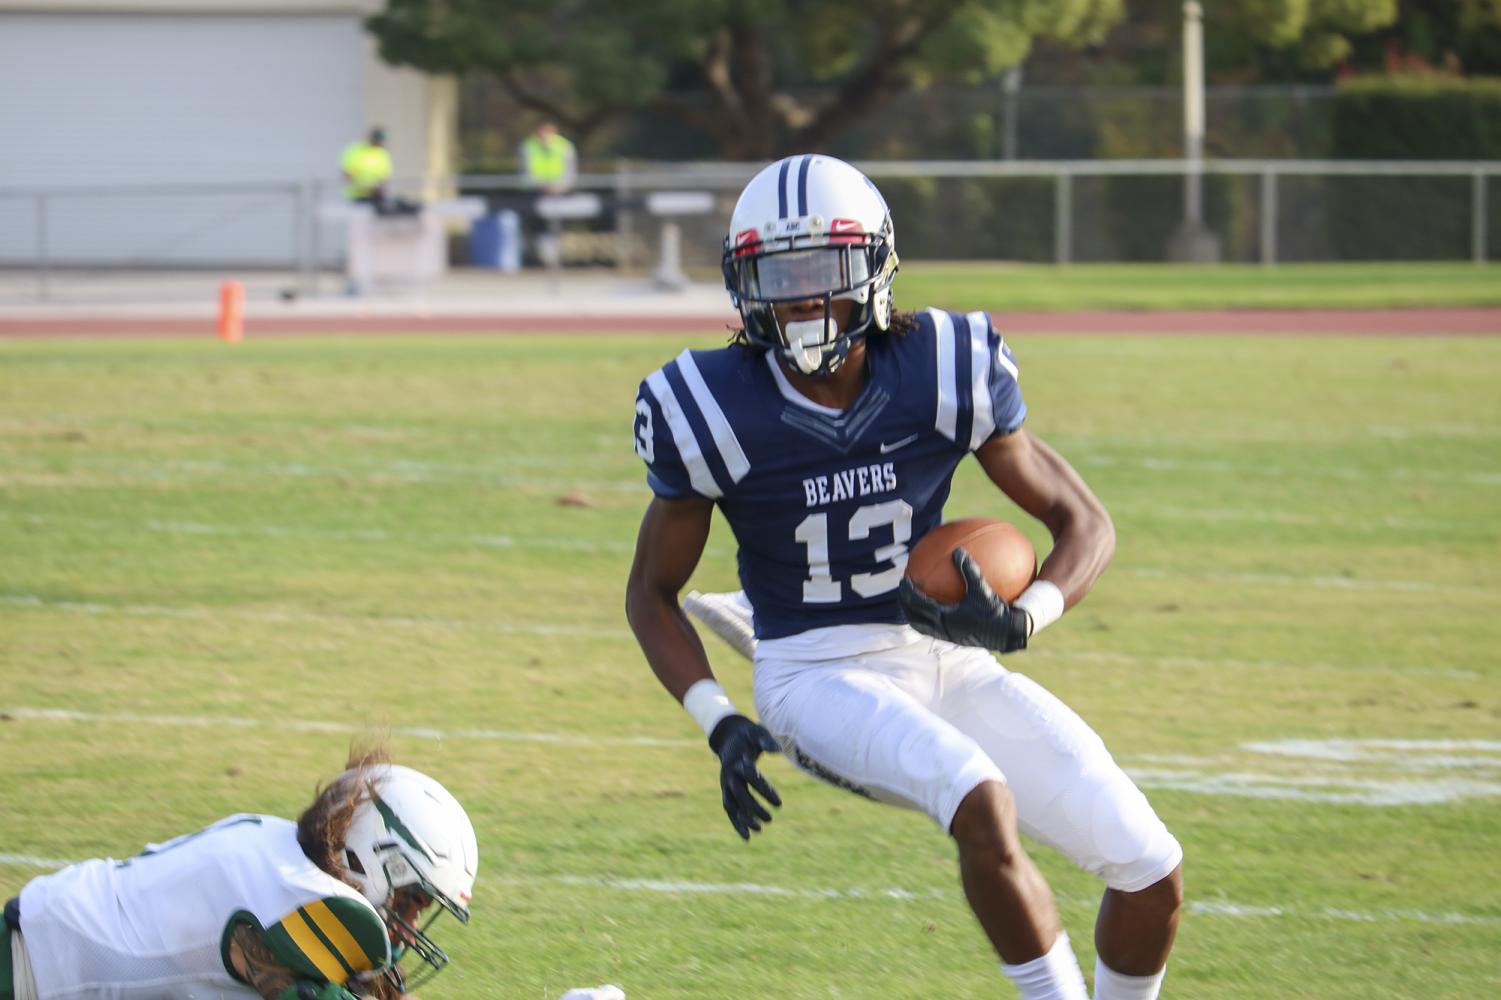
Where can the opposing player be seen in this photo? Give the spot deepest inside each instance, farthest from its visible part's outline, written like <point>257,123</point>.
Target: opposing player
<point>257,906</point>
<point>827,435</point>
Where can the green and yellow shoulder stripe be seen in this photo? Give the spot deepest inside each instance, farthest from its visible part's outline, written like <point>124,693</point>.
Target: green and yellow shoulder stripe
<point>333,938</point>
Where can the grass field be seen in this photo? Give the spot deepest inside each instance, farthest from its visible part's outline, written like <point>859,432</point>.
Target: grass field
<point>1187,286</point>
<point>220,563</point>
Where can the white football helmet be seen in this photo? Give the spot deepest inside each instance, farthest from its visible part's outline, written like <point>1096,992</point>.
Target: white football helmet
<point>410,835</point>
<point>806,227</point>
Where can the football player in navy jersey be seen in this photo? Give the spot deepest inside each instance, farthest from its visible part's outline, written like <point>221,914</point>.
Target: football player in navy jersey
<point>828,435</point>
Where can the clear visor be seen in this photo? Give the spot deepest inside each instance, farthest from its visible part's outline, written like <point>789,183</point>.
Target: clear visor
<point>795,275</point>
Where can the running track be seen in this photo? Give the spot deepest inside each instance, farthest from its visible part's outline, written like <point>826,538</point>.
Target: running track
<point>1284,322</point>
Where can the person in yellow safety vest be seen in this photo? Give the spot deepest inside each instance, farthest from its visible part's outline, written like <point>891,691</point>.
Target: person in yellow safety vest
<point>367,168</point>
<point>549,160</point>
<point>549,163</point>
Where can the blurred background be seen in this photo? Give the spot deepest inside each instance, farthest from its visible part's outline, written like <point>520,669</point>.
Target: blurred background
<point>152,138</point>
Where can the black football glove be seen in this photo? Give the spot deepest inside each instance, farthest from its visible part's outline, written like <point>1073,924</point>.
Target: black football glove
<point>738,741</point>
<point>980,618</point>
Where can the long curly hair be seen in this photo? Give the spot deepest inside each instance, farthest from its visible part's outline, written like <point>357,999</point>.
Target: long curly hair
<point>323,826</point>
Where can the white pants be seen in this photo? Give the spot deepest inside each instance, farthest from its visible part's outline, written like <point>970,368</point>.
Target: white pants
<point>921,723</point>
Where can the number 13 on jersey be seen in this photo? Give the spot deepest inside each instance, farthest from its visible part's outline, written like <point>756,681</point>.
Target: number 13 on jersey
<point>813,532</point>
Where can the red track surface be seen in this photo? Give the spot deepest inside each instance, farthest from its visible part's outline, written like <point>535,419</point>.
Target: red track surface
<point>1287,322</point>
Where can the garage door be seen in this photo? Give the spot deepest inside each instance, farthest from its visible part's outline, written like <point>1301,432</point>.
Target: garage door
<point>170,139</point>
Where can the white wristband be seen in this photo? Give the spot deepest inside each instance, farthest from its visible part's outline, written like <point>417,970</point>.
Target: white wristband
<point>708,704</point>
<point>1043,603</point>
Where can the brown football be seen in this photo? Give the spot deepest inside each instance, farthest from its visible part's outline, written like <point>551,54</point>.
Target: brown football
<point>1005,556</point>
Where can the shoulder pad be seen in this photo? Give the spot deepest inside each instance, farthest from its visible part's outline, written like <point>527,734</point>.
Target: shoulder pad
<point>677,406</point>
<point>333,938</point>
<point>977,387</point>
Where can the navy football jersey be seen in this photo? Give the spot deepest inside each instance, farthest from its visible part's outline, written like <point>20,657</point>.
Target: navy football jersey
<point>824,503</point>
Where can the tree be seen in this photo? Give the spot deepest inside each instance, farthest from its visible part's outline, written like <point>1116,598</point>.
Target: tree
<point>1441,34</point>
<point>1317,31</point>
<point>1246,41</point>
<point>582,62</point>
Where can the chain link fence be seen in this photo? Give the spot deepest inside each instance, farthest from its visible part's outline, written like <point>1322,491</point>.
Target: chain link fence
<point>1253,211</point>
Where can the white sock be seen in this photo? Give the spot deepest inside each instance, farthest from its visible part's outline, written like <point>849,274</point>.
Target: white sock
<point>1111,985</point>
<point>1054,976</point>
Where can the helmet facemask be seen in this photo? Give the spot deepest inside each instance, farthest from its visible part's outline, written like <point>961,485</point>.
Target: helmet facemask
<point>798,260</point>
<point>411,892</point>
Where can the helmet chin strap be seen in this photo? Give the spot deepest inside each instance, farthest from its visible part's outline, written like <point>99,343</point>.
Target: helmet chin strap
<point>807,341</point>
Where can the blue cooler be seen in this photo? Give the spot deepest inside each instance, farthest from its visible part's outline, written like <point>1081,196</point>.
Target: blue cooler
<point>495,241</point>
<point>484,241</point>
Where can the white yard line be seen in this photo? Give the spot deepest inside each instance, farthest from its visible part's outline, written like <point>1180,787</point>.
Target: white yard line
<point>486,541</point>
<point>624,547</point>
<point>1200,663</point>
<point>1397,474</point>
<point>32,861</point>
<point>1373,772</point>
<point>398,431</point>
<point>1250,432</point>
<point>1258,516</point>
<point>1405,754</point>
<point>1315,582</point>
<point>1210,908</point>
<point>1299,519</point>
<point>1318,581</point>
<point>284,533</point>
<point>400,471</point>
<point>558,630</point>
<point>1428,774</point>
<point>278,616</point>
<point>1322,789</point>
<point>1343,520</point>
<point>320,726</point>
<point>497,473</point>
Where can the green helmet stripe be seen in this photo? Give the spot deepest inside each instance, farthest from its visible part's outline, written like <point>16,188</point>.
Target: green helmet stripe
<point>396,826</point>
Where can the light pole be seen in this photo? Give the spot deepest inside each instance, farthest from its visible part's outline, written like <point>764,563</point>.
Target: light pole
<point>1193,111</point>
<point>1193,241</point>
<point>1011,85</point>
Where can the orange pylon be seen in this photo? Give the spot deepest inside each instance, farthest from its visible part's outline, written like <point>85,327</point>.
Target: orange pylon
<point>231,311</point>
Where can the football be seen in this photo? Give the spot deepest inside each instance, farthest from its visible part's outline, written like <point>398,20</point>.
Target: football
<point>1005,556</point>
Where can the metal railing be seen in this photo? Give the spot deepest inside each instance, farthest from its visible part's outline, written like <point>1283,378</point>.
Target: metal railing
<point>1267,172</point>
<point>156,226</point>
<point>1066,211</point>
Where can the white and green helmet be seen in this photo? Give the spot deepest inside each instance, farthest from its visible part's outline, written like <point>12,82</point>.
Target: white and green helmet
<point>411,833</point>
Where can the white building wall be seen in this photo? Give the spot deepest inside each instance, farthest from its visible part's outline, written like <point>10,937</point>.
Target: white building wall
<point>227,110</point>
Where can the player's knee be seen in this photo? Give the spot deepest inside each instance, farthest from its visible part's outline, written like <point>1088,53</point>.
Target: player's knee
<point>1163,898</point>
<point>985,824</point>
<point>1158,906</point>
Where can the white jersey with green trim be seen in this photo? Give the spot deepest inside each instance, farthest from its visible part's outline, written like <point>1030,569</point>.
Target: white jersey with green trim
<point>156,925</point>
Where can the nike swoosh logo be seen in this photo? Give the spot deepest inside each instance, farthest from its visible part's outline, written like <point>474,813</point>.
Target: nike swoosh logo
<point>893,446</point>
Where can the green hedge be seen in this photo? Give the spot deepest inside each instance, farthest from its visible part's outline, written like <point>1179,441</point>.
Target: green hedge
<point>1418,118</point>
<point>1425,117</point>
<point>971,218</point>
